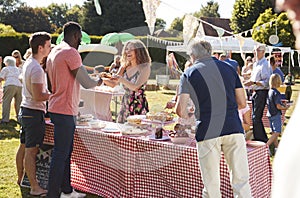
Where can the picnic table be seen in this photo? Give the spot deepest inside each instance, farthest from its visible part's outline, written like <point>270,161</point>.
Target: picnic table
<point>114,165</point>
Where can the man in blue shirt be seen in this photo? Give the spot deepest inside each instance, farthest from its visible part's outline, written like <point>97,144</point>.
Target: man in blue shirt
<point>217,92</point>
<point>231,62</point>
<point>260,81</point>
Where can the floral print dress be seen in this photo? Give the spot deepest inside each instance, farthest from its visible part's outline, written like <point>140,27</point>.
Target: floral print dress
<point>133,102</point>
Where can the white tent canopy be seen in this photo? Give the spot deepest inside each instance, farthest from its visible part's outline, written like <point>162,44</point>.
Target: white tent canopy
<point>229,44</point>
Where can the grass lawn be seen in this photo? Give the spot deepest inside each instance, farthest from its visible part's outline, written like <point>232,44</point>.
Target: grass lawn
<point>9,142</point>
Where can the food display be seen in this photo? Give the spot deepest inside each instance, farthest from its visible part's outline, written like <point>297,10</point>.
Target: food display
<point>180,134</point>
<point>83,119</point>
<point>105,75</point>
<point>135,119</point>
<point>160,116</point>
<point>127,129</point>
<point>158,133</point>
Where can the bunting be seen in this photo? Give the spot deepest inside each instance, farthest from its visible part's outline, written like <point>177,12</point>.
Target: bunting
<point>292,57</point>
<point>150,7</point>
<point>190,23</point>
<point>200,32</point>
<point>173,66</point>
<point>98,7</point>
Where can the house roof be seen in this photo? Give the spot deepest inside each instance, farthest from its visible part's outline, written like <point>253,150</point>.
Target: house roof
<point>162,33</point>
<point>219,22</point>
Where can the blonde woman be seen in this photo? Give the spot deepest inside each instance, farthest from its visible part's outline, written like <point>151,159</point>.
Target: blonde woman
<point>133,75</point>
<point>275,106</point>
<point>19,61</point>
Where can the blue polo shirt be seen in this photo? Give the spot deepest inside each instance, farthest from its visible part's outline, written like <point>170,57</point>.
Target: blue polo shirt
<point>278,71</point>
<point>232,63</point>
<point>274,98</point>
<point>211,85</point>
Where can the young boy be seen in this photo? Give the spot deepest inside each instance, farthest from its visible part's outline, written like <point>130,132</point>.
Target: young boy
<point>275,106</point>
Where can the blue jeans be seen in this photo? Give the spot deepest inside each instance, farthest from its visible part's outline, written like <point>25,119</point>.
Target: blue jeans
<point>60,170</point>
<point>258,105</point>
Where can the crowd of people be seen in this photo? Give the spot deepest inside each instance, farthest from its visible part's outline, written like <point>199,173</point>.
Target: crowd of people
<point>214,87</point>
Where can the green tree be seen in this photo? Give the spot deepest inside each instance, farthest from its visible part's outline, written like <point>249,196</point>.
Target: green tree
<point>57,14</point>
<point>160,23</point>
<point>74,14</point>
<point>262,29</point>
<point>210,10</point>
<point>7,6</point>
<point>28,20</point>
<point>117,16</point>
<point>177,24</point>
<point>245,13</point>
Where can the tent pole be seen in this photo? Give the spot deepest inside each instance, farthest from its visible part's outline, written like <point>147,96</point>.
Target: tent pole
<point>289,70</point>
<point>147,41</point>
<point>167,53</point>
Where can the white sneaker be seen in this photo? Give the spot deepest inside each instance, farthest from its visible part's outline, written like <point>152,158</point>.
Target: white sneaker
<point>74,194</point>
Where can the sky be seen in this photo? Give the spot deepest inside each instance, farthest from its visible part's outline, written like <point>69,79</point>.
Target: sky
<point>167,10</point>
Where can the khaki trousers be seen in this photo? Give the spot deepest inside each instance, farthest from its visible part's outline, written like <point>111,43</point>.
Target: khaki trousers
<point>235,152</point>
<point>10,92</point>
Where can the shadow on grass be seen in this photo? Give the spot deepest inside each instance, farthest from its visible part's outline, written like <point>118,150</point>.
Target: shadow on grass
<point>9,130</point>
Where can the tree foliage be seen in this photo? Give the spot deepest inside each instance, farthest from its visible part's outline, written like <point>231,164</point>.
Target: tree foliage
<point>28,20</point>
<point>160,23</point>
<point>246,12</point>
<point>210,10</point>
<point>177,24</point>
<point>262,29</point>
<point>57,14</point>
<point>117,16</point>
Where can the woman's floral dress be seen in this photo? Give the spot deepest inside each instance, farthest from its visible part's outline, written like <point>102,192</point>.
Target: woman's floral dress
<point>133,102</point>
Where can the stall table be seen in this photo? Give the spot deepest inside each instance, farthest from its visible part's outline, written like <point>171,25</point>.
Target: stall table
<point>97,102</point>
<point>112,165</point>
<point>265,119</point>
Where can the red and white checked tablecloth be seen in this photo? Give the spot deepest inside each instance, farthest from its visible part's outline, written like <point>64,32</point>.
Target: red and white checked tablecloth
<point>119,166</point>
<point>265,119</point>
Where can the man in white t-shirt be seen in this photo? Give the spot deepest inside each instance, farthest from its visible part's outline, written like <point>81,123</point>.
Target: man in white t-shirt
<point>33,108</point>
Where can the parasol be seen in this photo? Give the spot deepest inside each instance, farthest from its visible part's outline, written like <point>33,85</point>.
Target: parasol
<point>113,38</point>
<point>84,40</point>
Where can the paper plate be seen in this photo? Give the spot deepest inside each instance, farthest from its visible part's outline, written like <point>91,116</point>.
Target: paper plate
<point>110,130</point>
<point>255,143</point>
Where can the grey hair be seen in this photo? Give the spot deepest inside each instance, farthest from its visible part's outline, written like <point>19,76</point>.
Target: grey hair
<point>9,61</point>
<point>199,48</point>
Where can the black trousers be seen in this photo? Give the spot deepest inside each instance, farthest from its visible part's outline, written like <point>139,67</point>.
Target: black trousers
<point>258,105</point>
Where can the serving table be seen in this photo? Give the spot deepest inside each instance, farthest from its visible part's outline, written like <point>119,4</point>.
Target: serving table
<point>112,165</point>
<point>265,119</point>
<point>97,102</point>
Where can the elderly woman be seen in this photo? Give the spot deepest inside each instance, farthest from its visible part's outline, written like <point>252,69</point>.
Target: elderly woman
<point>12,87</point>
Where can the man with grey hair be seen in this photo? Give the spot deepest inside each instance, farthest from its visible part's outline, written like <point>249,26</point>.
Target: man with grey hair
<point>12,87</point>
<point>217,93</point>
<point>259,80</point>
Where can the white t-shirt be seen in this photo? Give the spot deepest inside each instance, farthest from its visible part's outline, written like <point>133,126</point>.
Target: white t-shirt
<point>11,76</point>
<point>33,73</point>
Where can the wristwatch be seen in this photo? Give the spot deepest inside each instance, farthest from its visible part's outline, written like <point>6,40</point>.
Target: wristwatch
<point>254,82</point>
